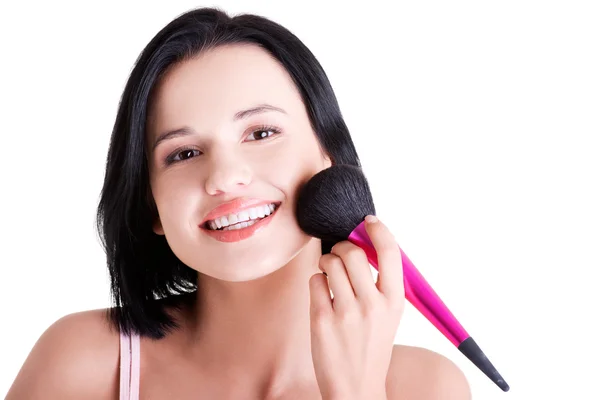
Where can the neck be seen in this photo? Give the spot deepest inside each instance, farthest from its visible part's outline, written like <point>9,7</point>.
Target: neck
<point>262,326</point>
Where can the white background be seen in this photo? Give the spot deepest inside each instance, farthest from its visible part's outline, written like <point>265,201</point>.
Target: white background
<point>478,124</point>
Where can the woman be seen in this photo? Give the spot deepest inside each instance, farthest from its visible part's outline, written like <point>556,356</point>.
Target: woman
<point>218,293</point>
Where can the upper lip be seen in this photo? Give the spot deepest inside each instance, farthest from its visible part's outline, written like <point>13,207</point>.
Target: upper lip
<point>235,206</point>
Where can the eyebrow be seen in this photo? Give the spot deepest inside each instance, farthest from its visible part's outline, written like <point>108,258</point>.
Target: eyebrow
<point>186,131</point>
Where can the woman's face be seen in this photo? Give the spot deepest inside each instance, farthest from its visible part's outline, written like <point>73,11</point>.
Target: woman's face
<point>229,139</point>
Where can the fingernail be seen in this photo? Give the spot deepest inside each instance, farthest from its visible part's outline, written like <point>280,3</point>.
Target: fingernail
<point>370,219</point>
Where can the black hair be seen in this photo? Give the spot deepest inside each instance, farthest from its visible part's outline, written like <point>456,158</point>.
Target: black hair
<point>141,265</point>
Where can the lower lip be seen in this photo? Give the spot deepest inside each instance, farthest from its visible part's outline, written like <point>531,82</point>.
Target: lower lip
<point>236,235</point>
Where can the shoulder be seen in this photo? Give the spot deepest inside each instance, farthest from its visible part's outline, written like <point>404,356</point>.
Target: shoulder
<point>418,373</point>
<point>76,357</point>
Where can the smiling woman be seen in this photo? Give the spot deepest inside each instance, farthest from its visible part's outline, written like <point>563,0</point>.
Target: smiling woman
<point>221,123</point>
<point>224,160</point>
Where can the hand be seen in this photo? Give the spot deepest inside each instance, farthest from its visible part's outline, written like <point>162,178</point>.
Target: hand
<point>352,335</point>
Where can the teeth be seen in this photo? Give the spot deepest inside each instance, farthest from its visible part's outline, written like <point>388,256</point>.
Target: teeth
<point>243,216</point>
<point>239,225</point>
<point>242,219</point>
<point>252,213</point>
<point>223,220</point>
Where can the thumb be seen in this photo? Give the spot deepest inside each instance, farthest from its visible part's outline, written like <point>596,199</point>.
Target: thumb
<point>320,297</point>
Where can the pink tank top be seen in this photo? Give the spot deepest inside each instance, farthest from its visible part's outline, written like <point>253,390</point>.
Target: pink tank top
<point>129,378</point>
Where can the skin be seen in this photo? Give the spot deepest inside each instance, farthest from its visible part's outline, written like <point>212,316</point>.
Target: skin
<point>263,325</point>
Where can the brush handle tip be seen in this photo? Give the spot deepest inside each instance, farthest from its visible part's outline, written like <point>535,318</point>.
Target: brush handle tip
<point>472,351</point>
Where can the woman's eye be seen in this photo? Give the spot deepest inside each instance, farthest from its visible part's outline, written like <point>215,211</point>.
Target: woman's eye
<point>261,134</point>
<point>184,155</point>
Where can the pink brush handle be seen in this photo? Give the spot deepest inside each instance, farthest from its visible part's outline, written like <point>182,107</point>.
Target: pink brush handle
<point>417,290</point>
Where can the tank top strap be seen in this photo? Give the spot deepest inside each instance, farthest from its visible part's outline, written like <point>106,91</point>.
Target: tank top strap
<point>129,375</point>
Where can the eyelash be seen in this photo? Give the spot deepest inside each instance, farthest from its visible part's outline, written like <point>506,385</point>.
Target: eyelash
<point>264,128</point>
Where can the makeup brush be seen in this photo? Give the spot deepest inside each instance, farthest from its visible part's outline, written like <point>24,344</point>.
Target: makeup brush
<point>332,206</point>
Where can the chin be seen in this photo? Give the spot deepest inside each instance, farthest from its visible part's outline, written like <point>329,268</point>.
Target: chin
<point>255,267</point>
<point>257,263</point>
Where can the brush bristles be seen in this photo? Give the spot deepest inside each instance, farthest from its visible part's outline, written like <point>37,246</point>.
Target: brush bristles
<point>334,202</point>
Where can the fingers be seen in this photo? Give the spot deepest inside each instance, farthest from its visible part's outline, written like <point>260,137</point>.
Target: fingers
<point>357,267</point>
<point>349,275</point>
<point>320,298</point>
<point>338,280</point>
<point>391,280</point>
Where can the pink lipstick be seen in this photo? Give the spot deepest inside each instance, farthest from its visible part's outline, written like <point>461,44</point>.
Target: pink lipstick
<point>250,225</point>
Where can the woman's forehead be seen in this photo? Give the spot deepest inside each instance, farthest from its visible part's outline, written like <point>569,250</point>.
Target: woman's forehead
<point>223,81</point>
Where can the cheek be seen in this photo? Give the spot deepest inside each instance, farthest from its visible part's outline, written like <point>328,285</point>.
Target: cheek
<point>176,197</point>
<point>291,166</point>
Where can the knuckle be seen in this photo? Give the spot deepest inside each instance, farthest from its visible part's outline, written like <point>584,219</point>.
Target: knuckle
<point>356,253</point>
<point>339,247</point>
<point>370,307</point>
<point>320,319</point>
<point>373,318</point>
<point>373,309</point>
<point>328,261</point>
<point>336,263</point>
<point>349,316</point>
<point>350,252</point>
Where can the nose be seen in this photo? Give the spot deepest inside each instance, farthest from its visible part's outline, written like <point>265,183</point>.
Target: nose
<point>227,173</point>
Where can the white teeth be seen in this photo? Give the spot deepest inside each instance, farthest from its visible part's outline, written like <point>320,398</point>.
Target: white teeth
<point>239,225</point>
<point>233,219</point>
<point>243,216</point>
<point>242,219</point>
<point>252,213</point>
<point>224,221</point>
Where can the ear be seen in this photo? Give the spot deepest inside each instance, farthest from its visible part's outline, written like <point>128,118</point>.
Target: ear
<point>327,161</point>
<point>157,227</point>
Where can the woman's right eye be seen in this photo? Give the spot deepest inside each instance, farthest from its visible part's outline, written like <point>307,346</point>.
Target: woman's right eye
<point>182,155</point>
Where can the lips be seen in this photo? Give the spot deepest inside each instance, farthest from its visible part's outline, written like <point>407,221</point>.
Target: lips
<point>236,235</point>
<point>235,206</point>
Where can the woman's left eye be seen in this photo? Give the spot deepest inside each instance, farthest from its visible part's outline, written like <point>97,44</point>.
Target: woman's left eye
<point>262,133</point>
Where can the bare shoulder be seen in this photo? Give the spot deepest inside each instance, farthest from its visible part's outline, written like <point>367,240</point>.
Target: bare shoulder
<point>76,357</point>
<point>418,373</point>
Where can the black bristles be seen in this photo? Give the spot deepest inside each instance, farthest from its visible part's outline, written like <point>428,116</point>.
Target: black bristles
<point>334,202</point>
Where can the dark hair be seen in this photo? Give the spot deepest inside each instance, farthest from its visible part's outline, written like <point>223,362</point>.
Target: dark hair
<point>141,264</point>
